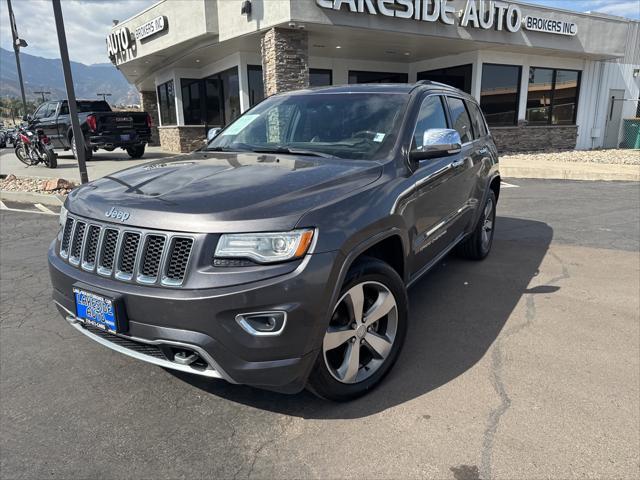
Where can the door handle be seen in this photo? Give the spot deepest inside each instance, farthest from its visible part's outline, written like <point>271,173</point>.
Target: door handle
<point>457,163</point>
<point>482,151</point>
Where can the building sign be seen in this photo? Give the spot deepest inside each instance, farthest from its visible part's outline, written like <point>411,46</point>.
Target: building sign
<point>550,25</point>
<point>118,42</point>
<point>151,28</point>
<point>483,14</point>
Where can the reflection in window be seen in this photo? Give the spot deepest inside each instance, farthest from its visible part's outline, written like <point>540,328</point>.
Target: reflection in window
<point>377,77</point>
<point>460,120</point>
<point>458,77</point>
<point>500,94</point>
<point>552,96</point>
<point>479,127</point>
<point>167,103</point>
<point>431,116</point>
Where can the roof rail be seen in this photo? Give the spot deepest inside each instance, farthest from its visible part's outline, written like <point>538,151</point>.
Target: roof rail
<point>431,82</point>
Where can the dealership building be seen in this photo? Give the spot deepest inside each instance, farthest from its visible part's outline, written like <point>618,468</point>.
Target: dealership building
<point>545,78</point>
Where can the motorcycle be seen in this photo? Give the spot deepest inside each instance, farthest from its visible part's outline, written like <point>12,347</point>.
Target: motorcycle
<point>34,148</point>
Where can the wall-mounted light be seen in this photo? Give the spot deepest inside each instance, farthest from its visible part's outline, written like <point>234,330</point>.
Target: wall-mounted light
<point>636,72</point>
<point>246,8</point>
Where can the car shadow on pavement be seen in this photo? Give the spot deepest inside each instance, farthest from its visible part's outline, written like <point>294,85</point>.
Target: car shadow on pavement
<point>457,312</point>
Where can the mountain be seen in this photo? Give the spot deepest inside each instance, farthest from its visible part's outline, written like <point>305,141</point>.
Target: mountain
<point>46,74</point>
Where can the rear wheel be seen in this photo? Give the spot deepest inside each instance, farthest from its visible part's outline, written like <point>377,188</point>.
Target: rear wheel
<point>51,159</point>
<point>365,333</point>
<point>136,151</point>
<point>478,245</point>
<point>74,150</point>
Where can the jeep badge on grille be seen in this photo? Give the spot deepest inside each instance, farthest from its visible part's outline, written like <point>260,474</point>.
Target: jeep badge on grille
<point>121,215</point>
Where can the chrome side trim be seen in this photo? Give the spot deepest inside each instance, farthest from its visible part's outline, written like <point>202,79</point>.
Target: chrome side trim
<point>240,318</point>
<point>213,372</point>
<point>433,262</point>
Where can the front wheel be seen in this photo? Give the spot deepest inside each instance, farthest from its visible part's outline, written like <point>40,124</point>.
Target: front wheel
<point>365,333</point>
<point>23,155</point>
<point>136,151</point>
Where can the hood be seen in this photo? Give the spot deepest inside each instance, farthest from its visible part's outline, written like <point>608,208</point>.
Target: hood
<point>221,192</point>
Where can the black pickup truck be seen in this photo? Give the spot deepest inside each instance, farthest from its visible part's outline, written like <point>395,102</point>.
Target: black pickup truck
<point>102,128</point>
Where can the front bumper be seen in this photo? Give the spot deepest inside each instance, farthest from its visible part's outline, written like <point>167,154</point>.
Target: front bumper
<point>163,321</point>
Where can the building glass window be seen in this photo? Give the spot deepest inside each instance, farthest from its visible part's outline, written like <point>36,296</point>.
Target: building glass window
<point>500,94</point>
<point>460,120</point>
<point>458,77</point>
<point>256,84</point>
<point>377,77</point>
<point>212,101</point>
<point>319,77</point>
<point>167,103</point>
<point>552,96</point>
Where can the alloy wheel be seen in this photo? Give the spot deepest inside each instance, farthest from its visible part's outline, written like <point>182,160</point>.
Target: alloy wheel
<point>361,333</point>
<point>487,224</point>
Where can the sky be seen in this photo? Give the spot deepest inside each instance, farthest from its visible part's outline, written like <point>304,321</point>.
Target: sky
<point>87,22</point>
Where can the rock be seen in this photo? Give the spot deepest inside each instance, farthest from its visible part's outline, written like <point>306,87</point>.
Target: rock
<point>10,178</point>
<point>57,184</point>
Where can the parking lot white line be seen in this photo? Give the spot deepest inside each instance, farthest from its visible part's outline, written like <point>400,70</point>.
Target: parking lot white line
<point>44,209</point>
<point>4,207</point>
<point>509,185</point>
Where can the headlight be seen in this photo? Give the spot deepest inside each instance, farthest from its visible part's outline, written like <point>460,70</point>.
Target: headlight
<point>265,247</point>
<point>62,220</point>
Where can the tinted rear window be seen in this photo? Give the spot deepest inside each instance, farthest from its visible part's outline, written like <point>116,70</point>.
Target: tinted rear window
<point>88,106</point>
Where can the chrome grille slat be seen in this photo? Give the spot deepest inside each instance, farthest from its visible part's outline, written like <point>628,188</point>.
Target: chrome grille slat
<point>77,241</point>
<point>127,254</point>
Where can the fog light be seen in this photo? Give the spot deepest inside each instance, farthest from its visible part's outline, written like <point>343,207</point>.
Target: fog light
<point>262,323</point>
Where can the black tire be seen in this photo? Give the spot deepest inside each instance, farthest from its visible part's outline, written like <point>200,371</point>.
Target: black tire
<point>136,151</point>
<point>51,160</point>
<point>87,151</point>
<point>22,155</point>
<point>477,246</point>
<point>322,382</point>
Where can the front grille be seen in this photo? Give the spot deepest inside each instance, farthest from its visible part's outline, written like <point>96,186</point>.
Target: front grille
<point>109,248</point>
<point>66,236</point>
<point>152,256</point>
<point>127,254</point>
<point>92,245</point>
<point>144,348</point>
<point>178,259</point>
<point>76,243</point>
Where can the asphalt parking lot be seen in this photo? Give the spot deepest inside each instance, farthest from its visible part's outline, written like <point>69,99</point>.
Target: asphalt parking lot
<point>526,365</point>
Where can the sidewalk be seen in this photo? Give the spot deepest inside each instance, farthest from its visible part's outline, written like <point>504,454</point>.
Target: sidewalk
<point>103,163</point>
<point>549,169</point>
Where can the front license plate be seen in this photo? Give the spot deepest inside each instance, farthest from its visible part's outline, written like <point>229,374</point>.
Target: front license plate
<point>125,138</point>
<point>95,310</point>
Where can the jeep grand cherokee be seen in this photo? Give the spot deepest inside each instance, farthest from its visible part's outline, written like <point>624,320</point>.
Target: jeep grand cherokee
<point>279,255</point>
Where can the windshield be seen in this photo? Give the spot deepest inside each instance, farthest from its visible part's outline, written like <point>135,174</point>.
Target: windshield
<point>346,125</point>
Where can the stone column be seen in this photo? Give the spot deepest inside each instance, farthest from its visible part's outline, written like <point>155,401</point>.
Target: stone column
<point>285,60</point>
<point>150,105</point>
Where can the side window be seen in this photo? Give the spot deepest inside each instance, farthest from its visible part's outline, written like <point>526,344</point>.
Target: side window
<point>51,110</point>
<point>64,108</point>
<point>431,116</point>
<point>40,111</point>
<point>460,119</point>
<point>479,127</point>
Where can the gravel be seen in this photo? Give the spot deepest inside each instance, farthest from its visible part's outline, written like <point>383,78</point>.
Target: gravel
<point>626,157</point>
<point>13,183</point>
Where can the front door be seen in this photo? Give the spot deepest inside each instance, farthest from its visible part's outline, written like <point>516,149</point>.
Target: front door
<point>614,116</point>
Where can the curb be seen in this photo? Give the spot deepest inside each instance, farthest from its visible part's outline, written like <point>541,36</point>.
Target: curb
<point>33,197</point>
<point>571,171</point>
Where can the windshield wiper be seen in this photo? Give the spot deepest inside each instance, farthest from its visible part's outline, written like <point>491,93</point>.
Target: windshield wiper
<point>291,151</point>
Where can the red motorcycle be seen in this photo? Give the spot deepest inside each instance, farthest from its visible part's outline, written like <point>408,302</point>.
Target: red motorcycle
<point>32,149</point>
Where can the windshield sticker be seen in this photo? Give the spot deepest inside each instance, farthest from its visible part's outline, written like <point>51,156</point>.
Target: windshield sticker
<point>379,137</point>
<point>239,125</point>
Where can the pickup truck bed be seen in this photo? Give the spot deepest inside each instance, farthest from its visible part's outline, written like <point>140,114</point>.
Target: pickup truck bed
<point>102,128</point>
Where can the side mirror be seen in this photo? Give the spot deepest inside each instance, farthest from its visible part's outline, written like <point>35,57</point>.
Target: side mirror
<point>437,142</point>
<point>211,134</point>
<point>27,117</point>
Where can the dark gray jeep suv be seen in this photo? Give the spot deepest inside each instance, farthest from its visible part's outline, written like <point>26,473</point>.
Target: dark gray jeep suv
<point>279,255</point>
